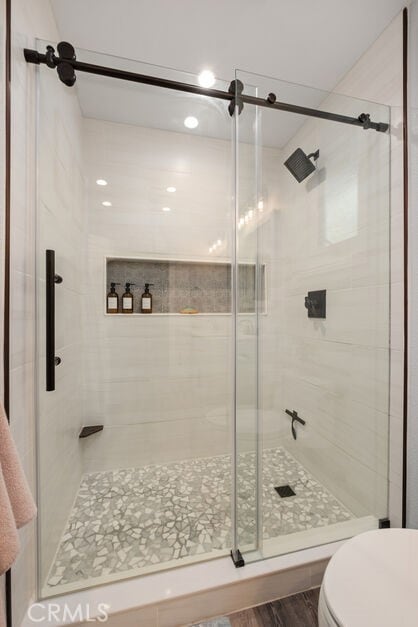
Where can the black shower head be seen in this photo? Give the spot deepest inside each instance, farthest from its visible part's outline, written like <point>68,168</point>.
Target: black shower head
<point>300,164</point>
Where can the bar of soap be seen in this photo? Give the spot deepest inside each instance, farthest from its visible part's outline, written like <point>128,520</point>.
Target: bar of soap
<point>189,310</point>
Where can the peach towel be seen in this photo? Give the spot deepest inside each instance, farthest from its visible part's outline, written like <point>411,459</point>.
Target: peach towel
<point>16,503</point>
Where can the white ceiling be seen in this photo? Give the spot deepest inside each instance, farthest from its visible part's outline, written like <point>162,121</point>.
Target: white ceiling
<point>311,42</point>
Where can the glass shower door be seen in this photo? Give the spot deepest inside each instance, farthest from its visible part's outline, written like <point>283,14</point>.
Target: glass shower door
<point>134,443</point>
<point>312,367</point>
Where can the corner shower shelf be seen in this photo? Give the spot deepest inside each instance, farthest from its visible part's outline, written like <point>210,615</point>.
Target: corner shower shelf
<point>179,283</point>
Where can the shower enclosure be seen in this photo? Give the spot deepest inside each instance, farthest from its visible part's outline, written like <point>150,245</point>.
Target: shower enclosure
<point>248,413</point>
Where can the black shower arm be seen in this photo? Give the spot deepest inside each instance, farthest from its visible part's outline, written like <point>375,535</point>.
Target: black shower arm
<point>314,155</point>
<point>66,64</point>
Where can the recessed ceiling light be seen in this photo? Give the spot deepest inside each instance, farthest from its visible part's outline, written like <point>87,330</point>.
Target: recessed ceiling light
<point>191,122</point>
<point>101,182</point>
<point>171,189</point>
<point>166,209</point>
<point>106,203</point>
<point>206,78</point>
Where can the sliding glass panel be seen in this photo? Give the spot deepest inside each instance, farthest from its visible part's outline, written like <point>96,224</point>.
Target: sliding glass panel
<point>316,220</point>
<point>135,443</point>
<point>246,292</point>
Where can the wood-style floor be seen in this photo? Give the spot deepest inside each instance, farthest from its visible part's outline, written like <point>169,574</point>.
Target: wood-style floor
<point>299,610</point>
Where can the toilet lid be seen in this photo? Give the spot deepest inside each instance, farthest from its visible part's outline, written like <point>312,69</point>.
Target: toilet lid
<point>373,580</point>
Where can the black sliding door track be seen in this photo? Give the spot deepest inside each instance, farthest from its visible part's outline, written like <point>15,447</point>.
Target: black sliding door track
<point>66,64</point>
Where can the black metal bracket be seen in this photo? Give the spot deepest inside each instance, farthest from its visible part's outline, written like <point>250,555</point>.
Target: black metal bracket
<point>236,88</point>
<point>384,523</point>
<point>237,558</point>
<point>295,418</point>
<point>66,65</point>
<point>63,62</point>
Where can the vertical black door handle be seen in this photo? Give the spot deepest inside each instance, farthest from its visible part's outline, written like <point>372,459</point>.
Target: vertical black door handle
<point>51,359</point>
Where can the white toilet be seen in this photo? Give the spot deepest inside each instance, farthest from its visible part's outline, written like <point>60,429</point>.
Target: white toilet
<point>372,581</point>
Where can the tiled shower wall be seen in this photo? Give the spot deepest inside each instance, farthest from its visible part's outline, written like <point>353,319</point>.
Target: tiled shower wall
<point>336,371</point>
<point>161,386</point>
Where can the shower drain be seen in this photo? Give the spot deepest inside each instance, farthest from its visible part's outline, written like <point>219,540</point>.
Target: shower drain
<point>285,490</point>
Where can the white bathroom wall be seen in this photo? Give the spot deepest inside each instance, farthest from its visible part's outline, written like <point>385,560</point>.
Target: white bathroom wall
<point>336,372</point>
<point>160,384</point>
<point>378,76</point>
<point>30,20</point>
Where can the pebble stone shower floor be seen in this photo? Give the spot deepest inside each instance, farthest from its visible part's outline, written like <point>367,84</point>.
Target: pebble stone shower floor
<point>138,517</point>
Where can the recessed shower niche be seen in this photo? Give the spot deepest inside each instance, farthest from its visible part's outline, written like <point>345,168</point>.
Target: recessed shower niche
<point>184,287</point>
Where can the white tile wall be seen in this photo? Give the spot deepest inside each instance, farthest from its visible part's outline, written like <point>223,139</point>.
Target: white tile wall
<point>386,87</point>
<point>160,385</point>
<point>336,371</point>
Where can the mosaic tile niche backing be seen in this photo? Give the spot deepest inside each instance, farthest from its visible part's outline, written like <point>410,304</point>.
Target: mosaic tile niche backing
<point>139,517</point>
<point>205,287</point>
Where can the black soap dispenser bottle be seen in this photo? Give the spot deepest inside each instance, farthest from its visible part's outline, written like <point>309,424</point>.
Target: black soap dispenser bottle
<point>146,300</point>
<point>112,305</point>
<point>128,300</point>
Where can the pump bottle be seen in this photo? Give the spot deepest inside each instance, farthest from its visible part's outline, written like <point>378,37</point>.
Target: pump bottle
<point>112,306</point>
<point>146,300</point>
<point>128,300</point>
